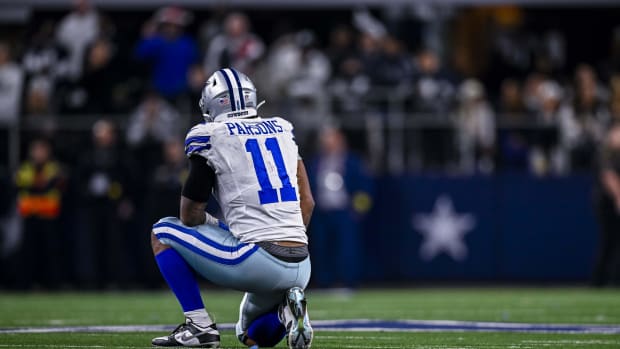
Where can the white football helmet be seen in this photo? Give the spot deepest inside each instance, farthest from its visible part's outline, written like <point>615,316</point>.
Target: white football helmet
<point>228,94</point>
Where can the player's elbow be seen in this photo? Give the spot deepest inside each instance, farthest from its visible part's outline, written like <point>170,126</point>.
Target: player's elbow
<point>192,212</point>
<point>191,219</point>
<point>186,219</point>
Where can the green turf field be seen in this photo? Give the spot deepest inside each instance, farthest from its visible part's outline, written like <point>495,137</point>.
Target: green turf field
<point>523,305</point>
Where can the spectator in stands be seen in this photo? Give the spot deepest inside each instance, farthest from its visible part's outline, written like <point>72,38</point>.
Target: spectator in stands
<point>342,189</point>
<point>344,56</point>
<point>476,129</point>
<point>350,80</point>
<point>152,124</point>
<point>510,44</point>
<point>341,47</point>
<point>211,27</point>
<point>550,53</point>
<point>532,92</point>
<point>433,98</point>
<point>590,94</point>
<point>105,185</point>
<point>11,78</point>
<point>394,68</point>
<point>434,87</point>
<point>349,85</point>
<point>171,52</point>
<point>9,231</point>
<point>167,180</point>
<point>307,73</point>
<point>585,127</point>
<point>312,67</point>
<point>154,121</point>
<point>369,54</point>
<point>196,82</point>
<point>549,148</point>
<point>550,103</point>
<point>607,204</point>
<point>44,63</point>
<point>161,200</point>
<point>99,77</point>
<point>76,31</point>
<point>6,203</point>
<point>515,125</point>
<point>236,47</point>
<point>356,92</point>
<point>40,182</point>
<point>510,100</point>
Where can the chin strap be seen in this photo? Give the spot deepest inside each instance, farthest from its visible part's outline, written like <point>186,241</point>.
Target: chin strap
<point>260,104</point>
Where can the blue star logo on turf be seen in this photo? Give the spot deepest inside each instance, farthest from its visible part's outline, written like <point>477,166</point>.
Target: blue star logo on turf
<point>444,230</point>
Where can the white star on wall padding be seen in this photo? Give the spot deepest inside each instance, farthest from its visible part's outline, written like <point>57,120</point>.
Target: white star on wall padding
<point>443,230</point>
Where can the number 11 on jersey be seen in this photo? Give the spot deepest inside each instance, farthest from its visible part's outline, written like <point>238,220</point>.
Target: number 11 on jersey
<point>268,194</point>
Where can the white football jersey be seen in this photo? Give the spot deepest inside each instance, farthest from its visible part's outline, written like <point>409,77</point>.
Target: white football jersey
<point>255,162</point>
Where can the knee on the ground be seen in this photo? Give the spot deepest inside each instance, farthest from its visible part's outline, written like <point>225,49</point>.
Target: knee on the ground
<point>266,330</point>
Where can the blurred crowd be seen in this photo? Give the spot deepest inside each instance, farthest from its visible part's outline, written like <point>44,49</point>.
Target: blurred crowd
<point>102,115</point>
<point>460,101</point>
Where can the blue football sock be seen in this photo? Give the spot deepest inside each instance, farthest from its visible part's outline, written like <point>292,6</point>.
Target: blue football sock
<point>267,330</point>
<point>180,278</point>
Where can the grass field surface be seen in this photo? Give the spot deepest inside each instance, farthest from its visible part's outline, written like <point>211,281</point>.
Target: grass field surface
<point>514,305</point>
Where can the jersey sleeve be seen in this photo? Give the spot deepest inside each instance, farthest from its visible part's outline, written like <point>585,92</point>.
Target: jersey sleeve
<point>198,141</point>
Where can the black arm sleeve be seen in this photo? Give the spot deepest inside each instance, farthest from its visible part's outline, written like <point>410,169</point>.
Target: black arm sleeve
<point>200,180</point>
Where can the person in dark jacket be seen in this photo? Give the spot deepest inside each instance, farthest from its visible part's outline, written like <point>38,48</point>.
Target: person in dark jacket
<point>162,200</point>
<point>342,189</point>
<point>607,204</point>
<point>105,184</point>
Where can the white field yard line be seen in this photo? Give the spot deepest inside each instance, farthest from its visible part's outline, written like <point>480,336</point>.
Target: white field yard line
<point>571,341</point>
<point>382,338</point>
<point>360,325</point>
<point>480,324</point>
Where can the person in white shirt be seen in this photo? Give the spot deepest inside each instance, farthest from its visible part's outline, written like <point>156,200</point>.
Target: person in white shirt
<point>11,78</point>
<point>11,81</point>
<point>236,47</point>
<point>75,32</point>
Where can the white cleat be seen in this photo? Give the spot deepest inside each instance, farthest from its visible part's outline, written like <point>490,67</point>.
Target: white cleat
<point>295,317</point>
<point>189,334</point>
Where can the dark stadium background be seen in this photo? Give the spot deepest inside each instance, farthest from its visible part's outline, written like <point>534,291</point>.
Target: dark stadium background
<point>529,226</point>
